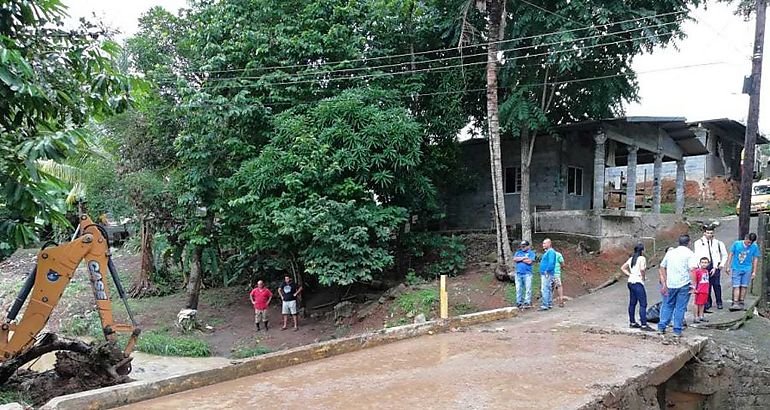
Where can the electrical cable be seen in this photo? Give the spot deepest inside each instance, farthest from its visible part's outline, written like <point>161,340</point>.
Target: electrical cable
<point>368,59</point>
<point>534,46</point>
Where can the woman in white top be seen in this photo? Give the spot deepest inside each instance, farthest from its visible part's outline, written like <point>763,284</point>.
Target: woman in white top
<point>635,268</point>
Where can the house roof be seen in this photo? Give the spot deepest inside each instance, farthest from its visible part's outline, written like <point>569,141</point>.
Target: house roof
<point>730,129</point>
<point>670,135</point>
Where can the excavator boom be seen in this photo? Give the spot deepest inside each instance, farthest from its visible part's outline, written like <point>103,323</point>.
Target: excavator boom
<point>45,285</point>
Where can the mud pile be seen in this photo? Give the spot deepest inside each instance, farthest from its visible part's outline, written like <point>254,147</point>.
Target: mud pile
<point>90,368</point>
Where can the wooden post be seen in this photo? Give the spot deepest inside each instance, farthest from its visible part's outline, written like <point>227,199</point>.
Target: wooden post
<point>443,298</point>
<point>752,122</point>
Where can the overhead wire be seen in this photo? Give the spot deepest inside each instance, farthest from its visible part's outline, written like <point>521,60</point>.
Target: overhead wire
<point>376,58</point>
<point>387,74</point>
<point>546,83</point>
<point>442,59</point>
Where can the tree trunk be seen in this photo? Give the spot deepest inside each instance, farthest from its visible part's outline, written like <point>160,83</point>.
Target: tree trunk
<point>143,285</point>
<point>194,280</point>
<point>527,146</point>
<point>504,254</point>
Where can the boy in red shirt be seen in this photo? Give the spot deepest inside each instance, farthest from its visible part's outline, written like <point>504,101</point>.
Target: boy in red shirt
<point>701,289</point>
<point>260,297</point>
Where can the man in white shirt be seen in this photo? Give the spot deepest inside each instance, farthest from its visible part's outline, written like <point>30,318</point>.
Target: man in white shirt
<point>677,281</point>
<point>714,249</point>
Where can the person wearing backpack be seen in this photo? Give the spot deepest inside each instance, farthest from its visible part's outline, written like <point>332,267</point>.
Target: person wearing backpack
<point>635,268</point>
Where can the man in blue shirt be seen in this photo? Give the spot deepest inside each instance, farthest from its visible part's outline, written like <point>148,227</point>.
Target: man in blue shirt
<point>547,267</point>
<point>742,265</point>
<point>524,258</point>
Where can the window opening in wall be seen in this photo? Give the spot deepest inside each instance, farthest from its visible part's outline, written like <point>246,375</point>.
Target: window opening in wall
<point>512,180</point>
<point>575,181</point>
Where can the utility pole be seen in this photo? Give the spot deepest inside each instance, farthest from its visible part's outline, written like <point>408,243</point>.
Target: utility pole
<point>752,124</point>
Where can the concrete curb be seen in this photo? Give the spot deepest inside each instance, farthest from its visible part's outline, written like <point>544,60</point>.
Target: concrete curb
<point>134,392</point>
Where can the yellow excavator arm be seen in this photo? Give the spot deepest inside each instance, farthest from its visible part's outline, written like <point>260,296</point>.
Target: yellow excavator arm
<point>44,286</point>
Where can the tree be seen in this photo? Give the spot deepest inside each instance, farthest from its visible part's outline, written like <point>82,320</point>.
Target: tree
<point>330,191</point>
<point>52,82</point>
<point>571,61</point>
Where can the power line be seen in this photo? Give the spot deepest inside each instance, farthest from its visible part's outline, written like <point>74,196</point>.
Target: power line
<point>422,70</point>
<point>367,59</point>
<point>535,46</point>
<point>547,83</point>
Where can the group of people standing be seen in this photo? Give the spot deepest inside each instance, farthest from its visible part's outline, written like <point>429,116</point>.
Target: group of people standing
<point>550,275</point>
<point>261,297</point>
<point>684,272</point>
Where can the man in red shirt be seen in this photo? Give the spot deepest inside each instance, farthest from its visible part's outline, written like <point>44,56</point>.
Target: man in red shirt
<point>260,297</point>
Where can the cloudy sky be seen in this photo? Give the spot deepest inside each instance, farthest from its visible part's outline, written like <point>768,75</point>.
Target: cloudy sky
<point>717,50</point>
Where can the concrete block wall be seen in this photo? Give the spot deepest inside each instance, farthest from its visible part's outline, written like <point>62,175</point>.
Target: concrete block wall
<point>548,180</point>
<point>695,169</point>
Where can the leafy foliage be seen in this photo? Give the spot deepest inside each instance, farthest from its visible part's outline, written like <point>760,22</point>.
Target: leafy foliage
<point>327,190</point>
<point>52,82</point>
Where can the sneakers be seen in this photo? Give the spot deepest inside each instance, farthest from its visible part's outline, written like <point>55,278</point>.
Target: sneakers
<point>526,306</point>
<point>697,320</point>
<point>544,308</point>
<point>646,328</point>
<point>742,305</point>
<point>634,325</point>
<point>703,319</point>
<point>735,307</point>
<point>719,306</point>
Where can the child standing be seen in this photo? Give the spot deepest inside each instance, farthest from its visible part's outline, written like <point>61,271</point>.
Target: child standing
<point>701,289</point>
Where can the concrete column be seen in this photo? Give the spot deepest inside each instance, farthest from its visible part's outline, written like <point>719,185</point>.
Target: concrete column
<point>657,170</point>
<point>680,187</point>
<point>631,178</point>
<point>599,151</point>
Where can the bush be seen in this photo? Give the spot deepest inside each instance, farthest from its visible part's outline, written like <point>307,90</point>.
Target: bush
<point>435,254</point>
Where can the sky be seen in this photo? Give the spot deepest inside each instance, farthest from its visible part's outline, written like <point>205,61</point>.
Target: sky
<point>717,50</point>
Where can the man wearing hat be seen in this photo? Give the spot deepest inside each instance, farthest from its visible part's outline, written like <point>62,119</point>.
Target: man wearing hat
<point>524,258</point>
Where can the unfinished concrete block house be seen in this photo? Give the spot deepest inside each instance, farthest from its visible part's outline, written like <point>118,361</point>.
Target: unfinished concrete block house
<point>576,183</point>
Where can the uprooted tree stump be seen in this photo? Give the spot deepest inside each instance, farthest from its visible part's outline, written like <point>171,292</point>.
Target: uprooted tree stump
<point>79,366</point>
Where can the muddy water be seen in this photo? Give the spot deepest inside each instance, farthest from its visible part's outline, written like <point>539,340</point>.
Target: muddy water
<point>150,367</point>
<point>548,364</point>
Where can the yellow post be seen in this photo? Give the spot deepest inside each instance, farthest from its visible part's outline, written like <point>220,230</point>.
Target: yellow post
<point>443,298</point>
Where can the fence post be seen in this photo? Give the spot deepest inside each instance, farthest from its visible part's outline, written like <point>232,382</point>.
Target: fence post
<point>443,298</point>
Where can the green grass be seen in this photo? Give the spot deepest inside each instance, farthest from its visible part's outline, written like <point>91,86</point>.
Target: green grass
<point>83,325</point>
<point>667,208</point>
<point>419,301</point>
<point>244,352</point>
<point>159,341</point>
<point>164,344</point>
<point>8,396</point>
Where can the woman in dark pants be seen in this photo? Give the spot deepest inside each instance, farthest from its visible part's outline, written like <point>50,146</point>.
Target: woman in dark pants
<point>635,268</point>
